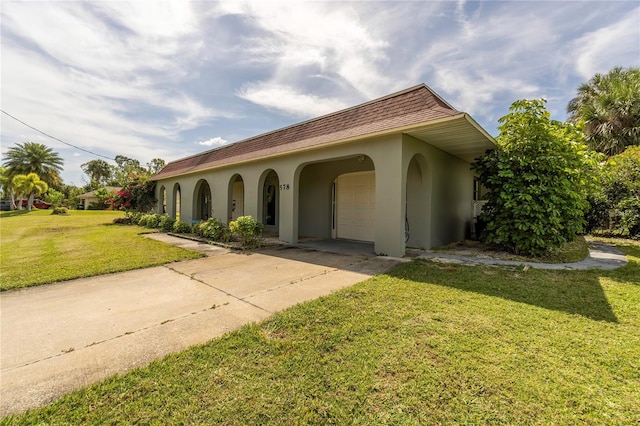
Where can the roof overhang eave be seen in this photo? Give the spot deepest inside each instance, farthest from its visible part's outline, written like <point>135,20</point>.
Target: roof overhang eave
<point>443,123</point>
<point>459,135</point>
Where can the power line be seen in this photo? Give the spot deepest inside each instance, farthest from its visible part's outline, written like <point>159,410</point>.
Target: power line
<point>53,137</point>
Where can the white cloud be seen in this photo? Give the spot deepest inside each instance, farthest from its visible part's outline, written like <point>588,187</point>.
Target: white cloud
<point>472,92</point>
<point>217,141</point>
<point>312,39</point>
<point>500,52</point>
<point>166,19</point>
<point>287,99</point>
<point>614,45</point>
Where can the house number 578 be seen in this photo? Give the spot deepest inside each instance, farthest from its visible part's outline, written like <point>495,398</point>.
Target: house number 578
<point>284,187</point>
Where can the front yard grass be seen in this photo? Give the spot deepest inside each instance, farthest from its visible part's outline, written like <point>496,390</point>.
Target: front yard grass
<point>39,248</point>
<point>424,344</point>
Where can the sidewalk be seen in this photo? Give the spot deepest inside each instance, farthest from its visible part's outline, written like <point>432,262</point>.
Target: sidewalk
<point>601,256</point>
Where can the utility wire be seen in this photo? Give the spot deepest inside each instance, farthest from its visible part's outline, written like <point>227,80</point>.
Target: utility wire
<point>53,137</point>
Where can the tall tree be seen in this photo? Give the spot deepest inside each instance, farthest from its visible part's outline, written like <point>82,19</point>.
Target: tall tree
<point>608,106</point>
<point>126,170</point>
<point>99,172</point>
<point>155,165</point>
<point>30,157</point>
<point>29,186</point>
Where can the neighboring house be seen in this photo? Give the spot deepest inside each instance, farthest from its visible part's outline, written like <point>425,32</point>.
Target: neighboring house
<point>88,198</point>
<point>394,171</point>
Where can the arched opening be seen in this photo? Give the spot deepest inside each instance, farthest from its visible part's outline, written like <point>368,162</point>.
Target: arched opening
<point>270,200</point>
<point>320,196</point>
<point>236,197</point>
<point>163,200</point>
<point>177,200</point>
<point>202,201</point>
<point>418,209</point>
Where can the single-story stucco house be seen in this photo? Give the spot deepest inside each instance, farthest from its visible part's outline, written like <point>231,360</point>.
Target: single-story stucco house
<point>394,171</point>
<point>86,199</point>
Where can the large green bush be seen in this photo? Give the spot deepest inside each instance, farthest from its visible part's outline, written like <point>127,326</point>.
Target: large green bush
<point>150,220</point>
<point>248,230</point>
<point>181,227</point>
<point>213,229</point>
<point>54,197</point>
<point>166,223</point>
<point>138,194</point>
<point>134,215</point>
<point>537,180</point>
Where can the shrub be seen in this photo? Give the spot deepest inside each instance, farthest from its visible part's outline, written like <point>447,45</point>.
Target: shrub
<point>538,179</point>
<point>136,195</point>
<point>61,211</point>
<point>166,223</point>
<point>615,204</point>
<point>181,227</point>
<point>213,229</point>
<point>135,216</point>
<point>248,229</point>
<point>629,223</point>
<point>622,190</point>
<point>54,197</point>
<point>150,220</point>
<point>597,217</point>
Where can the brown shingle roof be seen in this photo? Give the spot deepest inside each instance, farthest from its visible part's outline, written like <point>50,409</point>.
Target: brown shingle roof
<point>414,105</point>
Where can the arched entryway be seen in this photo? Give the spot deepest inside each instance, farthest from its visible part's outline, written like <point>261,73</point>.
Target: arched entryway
<point>269,203</point>
<point>323,197</point>
<point>236,197</point>
<point>163,200</point>
<point>418,205</point>
<point>202,201</point>
<point>177,200</point>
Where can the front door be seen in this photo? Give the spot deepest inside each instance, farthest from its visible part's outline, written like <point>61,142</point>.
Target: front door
<point>270,200</point>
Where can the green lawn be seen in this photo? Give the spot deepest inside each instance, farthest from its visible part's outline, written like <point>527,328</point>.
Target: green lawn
<point>424,344</point>
<point>38,247</point>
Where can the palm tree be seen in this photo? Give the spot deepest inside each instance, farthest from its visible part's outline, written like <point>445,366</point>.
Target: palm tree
<point>29,186</point>
<point>31,157</point>
<point>99,172</point>
<point>609,108</point>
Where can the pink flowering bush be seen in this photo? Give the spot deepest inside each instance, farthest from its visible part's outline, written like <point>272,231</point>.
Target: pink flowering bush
<point>138,195</point>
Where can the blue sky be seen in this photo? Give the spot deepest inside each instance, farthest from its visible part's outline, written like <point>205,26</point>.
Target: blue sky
<point>170,79</point>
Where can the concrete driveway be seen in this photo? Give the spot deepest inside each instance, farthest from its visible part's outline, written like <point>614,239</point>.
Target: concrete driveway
<point>60,337</point>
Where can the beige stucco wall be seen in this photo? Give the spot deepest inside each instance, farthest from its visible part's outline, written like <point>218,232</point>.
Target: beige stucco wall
<point>451,195</point>
<point>441,189</point>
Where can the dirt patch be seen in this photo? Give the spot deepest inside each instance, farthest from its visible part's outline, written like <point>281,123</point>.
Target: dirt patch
<point>477,249</point>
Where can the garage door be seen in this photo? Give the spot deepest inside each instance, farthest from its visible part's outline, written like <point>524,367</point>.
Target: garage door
<point>355,206</point>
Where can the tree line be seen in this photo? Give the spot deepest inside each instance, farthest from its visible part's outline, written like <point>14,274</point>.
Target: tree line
<point>32,170</point>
